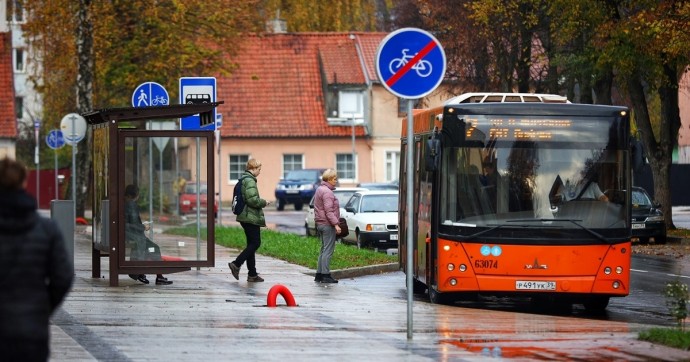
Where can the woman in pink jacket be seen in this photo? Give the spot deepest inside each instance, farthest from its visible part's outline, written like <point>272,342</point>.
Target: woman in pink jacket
<point>326,217</point>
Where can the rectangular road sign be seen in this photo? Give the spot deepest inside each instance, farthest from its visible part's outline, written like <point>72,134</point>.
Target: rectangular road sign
<point>197,90</point>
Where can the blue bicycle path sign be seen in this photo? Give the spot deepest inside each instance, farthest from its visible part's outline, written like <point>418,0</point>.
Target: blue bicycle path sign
<point>150,94</point>
<point>54,139</point>
<point>410,63</point>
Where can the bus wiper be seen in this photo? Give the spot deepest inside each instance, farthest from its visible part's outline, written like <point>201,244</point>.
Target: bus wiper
<point>573,221</point>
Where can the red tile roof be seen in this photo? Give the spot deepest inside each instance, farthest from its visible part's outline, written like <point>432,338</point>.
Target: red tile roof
<point>8,120</point>
<point>278,88</point>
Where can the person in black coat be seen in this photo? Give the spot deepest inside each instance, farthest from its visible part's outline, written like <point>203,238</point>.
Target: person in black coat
<point>35,271</point>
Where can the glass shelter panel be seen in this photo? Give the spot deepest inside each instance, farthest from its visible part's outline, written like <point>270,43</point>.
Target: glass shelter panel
<point>164,186</point>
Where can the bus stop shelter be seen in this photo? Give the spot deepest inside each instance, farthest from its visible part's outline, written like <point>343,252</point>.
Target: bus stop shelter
<point>142,149</point>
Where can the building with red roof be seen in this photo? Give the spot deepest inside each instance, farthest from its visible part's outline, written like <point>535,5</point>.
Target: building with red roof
<point>8,120</point>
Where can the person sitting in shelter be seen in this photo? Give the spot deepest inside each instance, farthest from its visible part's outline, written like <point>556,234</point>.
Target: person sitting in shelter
<point>135,236</point>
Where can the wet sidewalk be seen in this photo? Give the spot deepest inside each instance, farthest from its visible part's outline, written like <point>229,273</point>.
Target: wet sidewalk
<point>206,315</point>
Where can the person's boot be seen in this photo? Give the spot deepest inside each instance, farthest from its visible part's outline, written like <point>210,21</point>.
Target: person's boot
<point>326,278</point>
<point>318,277</point>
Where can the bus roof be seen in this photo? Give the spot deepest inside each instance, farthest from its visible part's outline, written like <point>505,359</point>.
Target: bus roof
<point>487,97</point>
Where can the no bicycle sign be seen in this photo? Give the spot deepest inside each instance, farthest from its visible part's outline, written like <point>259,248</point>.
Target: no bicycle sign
<point>410,63</point>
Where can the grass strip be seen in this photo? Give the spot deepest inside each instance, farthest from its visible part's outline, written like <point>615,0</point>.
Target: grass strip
<point>295,249</point>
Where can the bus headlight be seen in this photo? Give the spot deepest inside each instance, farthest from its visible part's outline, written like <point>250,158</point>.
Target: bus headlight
<point>453,282</point>
<point>451,267</point>
<point>619,269</point>
<point>616,285</point>
<point>607,270</point>
<point>462,267</point>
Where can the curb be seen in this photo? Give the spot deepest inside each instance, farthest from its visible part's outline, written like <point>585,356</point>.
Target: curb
<point>365,270</point>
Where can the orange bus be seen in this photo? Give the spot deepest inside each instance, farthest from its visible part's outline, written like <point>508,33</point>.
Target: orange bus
<point>519,195</point>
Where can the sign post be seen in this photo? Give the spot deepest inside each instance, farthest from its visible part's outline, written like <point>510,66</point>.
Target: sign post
<point>37,127</point>
<point>73,128</point>
<point>410,63</point>
<point>55,141</point>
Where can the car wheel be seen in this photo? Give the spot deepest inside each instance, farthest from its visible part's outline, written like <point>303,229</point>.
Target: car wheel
<point>643,240</point>
<point>298,206</point>
<point>360,241</point>
<point>660,239</point>
<point>306,229</point>
<point>280,205</point>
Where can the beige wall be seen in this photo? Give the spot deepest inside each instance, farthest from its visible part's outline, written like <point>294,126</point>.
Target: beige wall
<point>317,153</point>
<point>387,126</point>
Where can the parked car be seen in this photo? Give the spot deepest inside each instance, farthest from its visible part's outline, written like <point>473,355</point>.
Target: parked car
<point>379,185</point>
<point>343,194</point>
<point>188,199</point>
<point>297,187</point>
<point>647,218</point>
<point>372,219</point>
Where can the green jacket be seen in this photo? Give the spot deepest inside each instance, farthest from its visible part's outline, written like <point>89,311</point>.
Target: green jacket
<point>252,213</point>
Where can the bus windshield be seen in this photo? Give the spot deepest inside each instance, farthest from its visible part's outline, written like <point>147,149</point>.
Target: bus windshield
<point>506,188</point>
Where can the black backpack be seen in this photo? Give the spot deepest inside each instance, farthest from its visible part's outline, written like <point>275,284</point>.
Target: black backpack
<point>237,198</point>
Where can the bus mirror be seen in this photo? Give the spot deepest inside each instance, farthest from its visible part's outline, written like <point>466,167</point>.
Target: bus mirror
<point>432,154</point>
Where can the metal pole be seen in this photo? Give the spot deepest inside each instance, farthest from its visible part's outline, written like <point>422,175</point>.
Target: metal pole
<point>160,181</point>
<point>354,173</point>
<point>409,168</point>
<point>74,168</point>
<point>37,124</point>
<point>220,185</point>
<point>150,183</point>
<point>57,196</point>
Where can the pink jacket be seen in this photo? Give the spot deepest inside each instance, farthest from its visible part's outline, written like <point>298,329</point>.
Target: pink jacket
<point>326,205</point>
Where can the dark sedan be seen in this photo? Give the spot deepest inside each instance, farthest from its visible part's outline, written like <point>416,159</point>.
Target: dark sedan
<point>647,218</point>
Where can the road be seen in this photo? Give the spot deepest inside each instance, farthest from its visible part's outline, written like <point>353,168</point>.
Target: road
<point>645,304</point>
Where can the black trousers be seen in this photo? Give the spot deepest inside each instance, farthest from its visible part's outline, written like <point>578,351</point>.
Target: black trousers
<point>253,234</point>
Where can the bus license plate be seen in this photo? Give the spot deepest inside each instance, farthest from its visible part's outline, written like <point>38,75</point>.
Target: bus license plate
<point>394,236</point>
<point>534,285</point>
<point>638,226</point>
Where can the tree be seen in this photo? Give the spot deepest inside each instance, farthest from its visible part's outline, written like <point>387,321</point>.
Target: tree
<point>332,15</point>
<point>93,54</point>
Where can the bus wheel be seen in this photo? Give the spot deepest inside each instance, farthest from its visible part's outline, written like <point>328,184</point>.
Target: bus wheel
<point>437,298</point>
<point>597,304</point>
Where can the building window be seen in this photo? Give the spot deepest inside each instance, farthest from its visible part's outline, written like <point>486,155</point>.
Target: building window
<point>15,11</point>
<point>19,60</point>
<point>345,104</point>
<point>292,162</point>
<point>236,166</point>
<point>346,166</point>
<point>392,165</point>
<point>19,107</point>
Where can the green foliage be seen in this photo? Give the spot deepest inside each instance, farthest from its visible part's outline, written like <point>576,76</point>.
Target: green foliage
<point>675,338</point>
<point>677,301</point>
<point>295,249</point>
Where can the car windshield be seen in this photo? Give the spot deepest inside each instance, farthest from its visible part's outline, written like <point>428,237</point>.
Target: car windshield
<point>301,175</point>
<point>191,188</point>
<point>380,203</point>
<point>640,199</point>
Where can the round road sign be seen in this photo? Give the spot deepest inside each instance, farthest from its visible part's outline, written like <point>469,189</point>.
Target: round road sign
<point>73,128</point>
<point>410,63</point>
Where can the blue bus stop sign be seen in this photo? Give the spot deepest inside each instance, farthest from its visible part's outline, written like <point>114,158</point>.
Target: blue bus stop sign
<point>150,94</point>
<point>410,63</point>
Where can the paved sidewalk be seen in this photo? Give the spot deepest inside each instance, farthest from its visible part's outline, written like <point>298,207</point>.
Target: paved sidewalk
<point>206,315</point>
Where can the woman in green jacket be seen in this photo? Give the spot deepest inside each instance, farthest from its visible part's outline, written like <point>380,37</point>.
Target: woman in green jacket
<point>251,219</point>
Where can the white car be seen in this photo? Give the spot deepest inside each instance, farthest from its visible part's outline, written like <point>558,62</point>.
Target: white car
<point>342,194</point>
<point>372,219</point>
